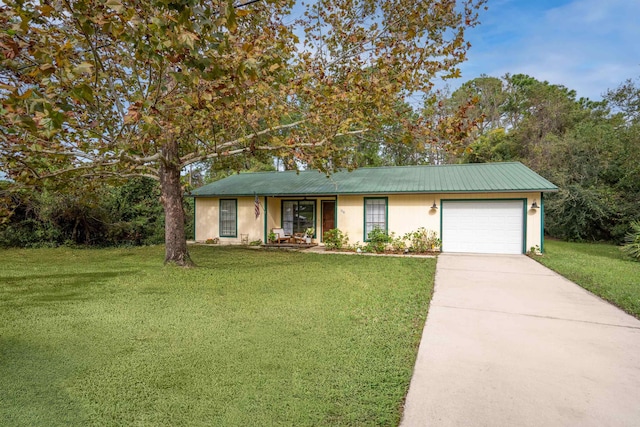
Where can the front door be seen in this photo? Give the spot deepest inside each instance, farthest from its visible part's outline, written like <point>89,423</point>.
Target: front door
<point>328,216</point>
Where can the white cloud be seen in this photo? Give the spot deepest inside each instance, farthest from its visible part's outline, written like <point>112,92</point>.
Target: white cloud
<point>586,45</point>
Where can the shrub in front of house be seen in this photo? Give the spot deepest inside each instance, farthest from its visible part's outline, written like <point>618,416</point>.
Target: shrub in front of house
<point>423,240</point>
<point>335,239</point>
<point>398,244</point>
<point>378,241</point>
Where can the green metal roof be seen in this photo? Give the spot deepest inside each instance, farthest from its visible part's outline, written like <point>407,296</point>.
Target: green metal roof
<point>466,178</point>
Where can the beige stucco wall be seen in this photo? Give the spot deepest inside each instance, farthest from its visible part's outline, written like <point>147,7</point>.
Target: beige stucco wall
<point>207,220</point>
<point>406,212</point>
<point>206,226</point>
<point>411,211</point>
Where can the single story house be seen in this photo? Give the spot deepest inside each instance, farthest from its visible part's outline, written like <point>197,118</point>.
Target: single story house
<point>476,208</point>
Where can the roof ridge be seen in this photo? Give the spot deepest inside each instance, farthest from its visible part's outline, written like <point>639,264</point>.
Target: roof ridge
<point>437,166</point>
<point>373,167</point>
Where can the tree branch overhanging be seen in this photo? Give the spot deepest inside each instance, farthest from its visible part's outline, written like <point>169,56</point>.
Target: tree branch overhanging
<point>269,148</point>
<point>195,157</point>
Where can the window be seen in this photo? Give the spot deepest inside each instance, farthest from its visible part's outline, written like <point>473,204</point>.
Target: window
<point>228,218</point>
<point>375,215</point>
<point>298,215</point>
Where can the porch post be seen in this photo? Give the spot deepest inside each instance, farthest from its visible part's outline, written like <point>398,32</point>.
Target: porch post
<point>265,210</point>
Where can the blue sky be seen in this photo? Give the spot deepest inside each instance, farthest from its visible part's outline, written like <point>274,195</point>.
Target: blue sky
<point>586,45</point>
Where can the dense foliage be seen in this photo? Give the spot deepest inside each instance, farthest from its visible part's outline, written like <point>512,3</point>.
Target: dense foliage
<point>103,215</point>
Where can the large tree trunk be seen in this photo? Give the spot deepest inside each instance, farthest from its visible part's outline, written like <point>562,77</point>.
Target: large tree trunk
<point>174,236</point>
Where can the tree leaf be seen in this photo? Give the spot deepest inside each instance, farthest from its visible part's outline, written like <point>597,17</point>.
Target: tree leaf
<point>115,5</point>
<point>83,68</point>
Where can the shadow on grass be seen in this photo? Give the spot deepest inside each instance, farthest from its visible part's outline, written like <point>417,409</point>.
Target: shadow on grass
<point>68,279</point>
<point>57,287</point>
<point>32,380</point>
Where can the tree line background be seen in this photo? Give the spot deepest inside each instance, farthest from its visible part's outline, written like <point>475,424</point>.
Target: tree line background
<point>589,149</point>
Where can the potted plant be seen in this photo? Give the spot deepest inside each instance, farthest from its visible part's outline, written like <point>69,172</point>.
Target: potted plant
<point>308,234</point>
<point>271,237</point>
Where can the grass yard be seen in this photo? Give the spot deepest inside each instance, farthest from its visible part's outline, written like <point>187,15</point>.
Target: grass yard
<point>251,337</point>
<point>602,269</point>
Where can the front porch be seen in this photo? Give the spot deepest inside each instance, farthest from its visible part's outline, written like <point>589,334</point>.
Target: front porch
<point>293,217</point>
<point>246,220</point>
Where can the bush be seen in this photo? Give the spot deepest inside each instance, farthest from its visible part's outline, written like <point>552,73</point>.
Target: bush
<point>632,247</point>
<point>578,213</point>
<point>378,240</point>
<point>423,240</point>
<point>398,244</point>
<point>335,239</point>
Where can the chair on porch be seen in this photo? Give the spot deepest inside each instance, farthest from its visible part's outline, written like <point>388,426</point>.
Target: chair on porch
<point>281,236</point>
<point>299,238</point>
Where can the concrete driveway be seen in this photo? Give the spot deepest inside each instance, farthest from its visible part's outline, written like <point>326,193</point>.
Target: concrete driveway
<point>508,342</point>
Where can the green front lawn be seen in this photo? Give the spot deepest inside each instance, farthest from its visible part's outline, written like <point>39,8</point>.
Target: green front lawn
<point>251,337</point>
<point>602,269</point>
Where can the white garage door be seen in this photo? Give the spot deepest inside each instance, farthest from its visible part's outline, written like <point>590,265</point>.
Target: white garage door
<point>490,227</point>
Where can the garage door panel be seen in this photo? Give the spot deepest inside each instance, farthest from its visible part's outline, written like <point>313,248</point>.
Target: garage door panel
<point>483,226</point>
